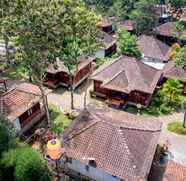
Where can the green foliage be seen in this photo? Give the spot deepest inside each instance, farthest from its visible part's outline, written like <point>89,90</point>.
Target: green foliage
<point>176,127</point>
<point>122,8</point>
<point>59,120</point>
<point>25,164</point>
<point>181,58</point>
<point>143,15</point>
<point>5,134</point>
<point>128,44</point>
<point>172,91</point>
<point>81,36</point>
<point>177,3</point>
<point>36,36</point>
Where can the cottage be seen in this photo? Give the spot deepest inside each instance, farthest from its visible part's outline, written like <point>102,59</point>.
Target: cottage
<point>165,32</point>
<point>170,71</point>
<point>22,106</point>
<point>106,25</point>
<point>153,50</point>
<point>58,74</point>
<point>125,81</point>
<point>109,145</point>
<point>109,46</point>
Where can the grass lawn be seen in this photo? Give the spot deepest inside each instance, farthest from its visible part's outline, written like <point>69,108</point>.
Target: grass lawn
<point>176,127</point>
<point>59,120</point>
<point>151,111</point>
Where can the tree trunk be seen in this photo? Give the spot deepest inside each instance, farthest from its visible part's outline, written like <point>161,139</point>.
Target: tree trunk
<point>85,96</point>
<point>45,103</point>
<point>184,120</point>
<point>72,92</point>
<point>6,40</point>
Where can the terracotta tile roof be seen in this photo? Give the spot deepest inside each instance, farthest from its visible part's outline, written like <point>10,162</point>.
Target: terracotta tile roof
<point>171,71</point>
<point>59,66</point>
<point>126,74</point>
<point>127,24</point>
<point>153,48</point>
<point>122,144</point>
<point>175,172</point>
<point>18,100</point>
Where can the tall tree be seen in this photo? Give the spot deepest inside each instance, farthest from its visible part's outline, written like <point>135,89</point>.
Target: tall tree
<point>37,39</point>
<point>128,44</point>
<point>144,16</point>
<point>7,23</point>
<point>172,89</point>
<point>81,36</point>
<point>181,58</point>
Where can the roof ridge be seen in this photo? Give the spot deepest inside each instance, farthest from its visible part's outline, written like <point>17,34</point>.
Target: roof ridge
<point>109,63</point>
<point>115,75</point>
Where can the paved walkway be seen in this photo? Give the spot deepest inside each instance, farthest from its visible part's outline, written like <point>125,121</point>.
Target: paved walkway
<point>62,97</point>
<point>177,142</point>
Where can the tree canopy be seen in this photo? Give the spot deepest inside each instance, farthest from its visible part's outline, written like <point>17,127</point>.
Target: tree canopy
<point>143,15</point>
<point>181,58</point>
<point>24,164</point>
<point>177,3</point>
<point>128,44</point>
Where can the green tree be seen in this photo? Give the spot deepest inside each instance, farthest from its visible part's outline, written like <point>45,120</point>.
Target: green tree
<point>177,3</point>
<point>181,58</point>
<point>81,36</point>
<point>37,38</point>
<point>122,8</point>
<point>7,23</point>
<point>172,91</point>
<point>143,15</point>
<point>25,164</point>
<point>128,44</point>
<point>6,131</point>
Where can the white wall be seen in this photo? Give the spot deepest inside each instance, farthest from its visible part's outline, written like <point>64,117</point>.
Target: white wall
<point>100,54</point>
<point>17,125</point>
<point>93,173</point>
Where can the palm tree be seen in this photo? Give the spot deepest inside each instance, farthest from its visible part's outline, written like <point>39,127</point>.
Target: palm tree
<point>172,89</point>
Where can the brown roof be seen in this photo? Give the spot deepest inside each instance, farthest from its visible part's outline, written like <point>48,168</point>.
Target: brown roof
<point>59,66</point>
<point>127,24</point>
<point>105,22</point>
<point>108,40</point>
<point>166,29</point>
<point>126,74</point>
<point>18,100</point>
<point>174,172</point>
<point>171,71</point>
<point>153,48</point>
<point>122,144</point>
